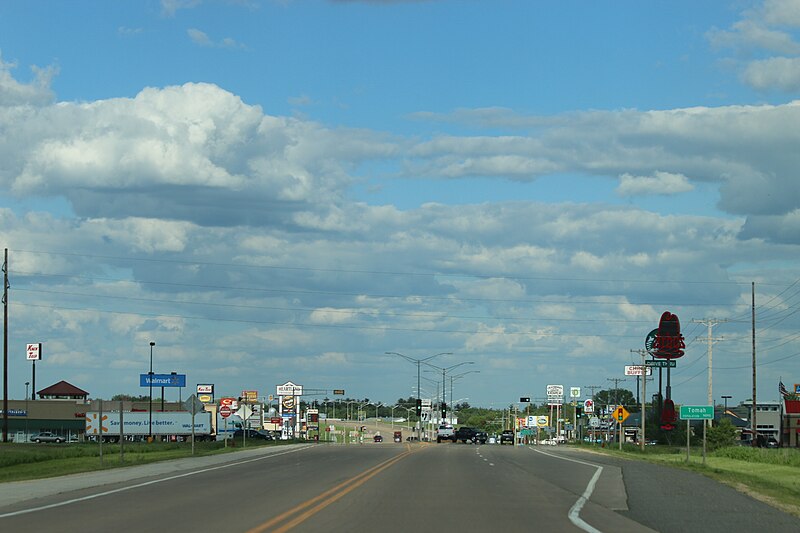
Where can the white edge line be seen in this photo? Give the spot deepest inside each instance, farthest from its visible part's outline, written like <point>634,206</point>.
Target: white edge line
<point>575,510</point>
<point>146,483</point>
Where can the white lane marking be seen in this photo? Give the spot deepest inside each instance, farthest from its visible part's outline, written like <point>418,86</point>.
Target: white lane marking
<point>575,510</point>
<point>146,483</point>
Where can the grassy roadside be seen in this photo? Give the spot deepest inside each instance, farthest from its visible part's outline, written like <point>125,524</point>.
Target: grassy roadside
<point>769,475</point>
<point>35,461</point>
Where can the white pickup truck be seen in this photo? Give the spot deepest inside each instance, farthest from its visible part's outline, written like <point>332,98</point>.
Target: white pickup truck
<point>446,432</point>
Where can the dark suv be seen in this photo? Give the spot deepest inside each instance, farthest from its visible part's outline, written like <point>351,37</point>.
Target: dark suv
<point>507,436</point>
<point>465,434</point>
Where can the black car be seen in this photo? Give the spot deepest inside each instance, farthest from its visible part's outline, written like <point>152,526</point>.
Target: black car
<point>480,437</point>
<point>507,436</point>
<point>252,434</point>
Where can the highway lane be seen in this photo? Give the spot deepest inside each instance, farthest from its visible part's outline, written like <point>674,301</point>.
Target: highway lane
<point>398,487</point>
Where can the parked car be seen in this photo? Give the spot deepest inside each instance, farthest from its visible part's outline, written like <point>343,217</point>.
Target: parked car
<point>46,436</point>
<point>507,436</point>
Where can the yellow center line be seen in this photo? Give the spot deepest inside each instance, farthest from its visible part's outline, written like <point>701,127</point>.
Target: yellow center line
<point>326,498</point>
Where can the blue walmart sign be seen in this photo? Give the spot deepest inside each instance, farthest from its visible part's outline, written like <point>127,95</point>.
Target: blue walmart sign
<point>163,380</point>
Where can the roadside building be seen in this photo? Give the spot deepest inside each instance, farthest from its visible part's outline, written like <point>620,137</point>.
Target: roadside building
<point>769,416</point>
<point>791,423</point>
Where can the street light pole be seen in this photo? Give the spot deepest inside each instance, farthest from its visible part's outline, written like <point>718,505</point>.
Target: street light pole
<point>150,379</point>
<point>444,381</point>
<point>419,378</point>
<point>725,398</point>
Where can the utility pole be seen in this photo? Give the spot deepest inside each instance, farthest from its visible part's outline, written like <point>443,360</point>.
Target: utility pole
<point>616,401</point>
<point>616,387</point>
<point>5,346</point>
<point>709,323</point>
<point>643,353</point>
<point>753,318</point>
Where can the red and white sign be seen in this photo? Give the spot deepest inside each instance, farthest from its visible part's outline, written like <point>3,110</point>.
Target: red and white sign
<point>34,352</point>
<point>638,370</point>
<point>232,403</point>
<point>224,411</point>
<point>588,407</point>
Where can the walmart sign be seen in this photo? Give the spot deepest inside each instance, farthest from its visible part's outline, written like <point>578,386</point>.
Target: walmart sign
<point>162,380</point>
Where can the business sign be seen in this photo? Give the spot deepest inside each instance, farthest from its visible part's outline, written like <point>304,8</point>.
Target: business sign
<point>233,403</point>
<point>339,392</point>
<point>205,398</point>
<point>205,388</point>
<point>638,370</point>
<point>289,389</point>
<point>661,363</point>
<point>162,380</point>
<point>574,392</point>
<point>33,352</point>
<point>250,396</point>
<point>542,421</point>
<point>669,342</point>
<point>588,407</point>
<point>797,388</point>
<point>697,412</point>
<point>555,390</point>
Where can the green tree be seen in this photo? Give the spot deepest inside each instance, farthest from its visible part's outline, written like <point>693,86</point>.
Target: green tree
<point>617,397</point>
<point>721,435</point>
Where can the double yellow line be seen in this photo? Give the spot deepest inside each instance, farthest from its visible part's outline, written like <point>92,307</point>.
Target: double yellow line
<point>300,513</point>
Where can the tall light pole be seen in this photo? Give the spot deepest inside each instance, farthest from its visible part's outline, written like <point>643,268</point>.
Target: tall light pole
<point>444,371</point>
<point>419,399</point>
<point>459,376</point>
<point>150,379</point>
<point>726,398</point>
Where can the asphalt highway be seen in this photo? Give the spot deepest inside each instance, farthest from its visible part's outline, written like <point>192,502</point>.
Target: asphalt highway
<point>388,487</point>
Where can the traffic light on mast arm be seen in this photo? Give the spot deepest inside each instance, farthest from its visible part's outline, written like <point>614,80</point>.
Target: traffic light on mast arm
<point>419,407</point>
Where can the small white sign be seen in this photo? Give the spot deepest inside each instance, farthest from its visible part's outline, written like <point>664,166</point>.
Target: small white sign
<point>638,370</point>
<point>205,388</point>
<point>34,352</point>
<point>574,392</point>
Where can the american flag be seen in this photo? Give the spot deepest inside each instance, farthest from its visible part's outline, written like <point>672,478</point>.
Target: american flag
<point>782,389</point>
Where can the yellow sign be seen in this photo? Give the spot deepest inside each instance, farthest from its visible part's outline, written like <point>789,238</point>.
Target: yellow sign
<point>621,414</point>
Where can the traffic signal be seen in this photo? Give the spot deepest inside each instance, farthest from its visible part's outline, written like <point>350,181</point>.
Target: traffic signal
<point>578,410</point>
<point>419,407</point>
<point>444,410</point>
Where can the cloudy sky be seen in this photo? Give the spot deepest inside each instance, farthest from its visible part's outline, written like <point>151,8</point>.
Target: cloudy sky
<point>275,190</point>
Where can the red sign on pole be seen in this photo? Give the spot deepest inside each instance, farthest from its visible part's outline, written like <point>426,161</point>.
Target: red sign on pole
<point>224,411</point>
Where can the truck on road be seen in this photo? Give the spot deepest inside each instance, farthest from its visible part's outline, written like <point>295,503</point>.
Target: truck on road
<point>166,425</point>
<point>445,432</point>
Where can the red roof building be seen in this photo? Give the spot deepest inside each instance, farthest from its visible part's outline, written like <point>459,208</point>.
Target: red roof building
<point>62,391</point>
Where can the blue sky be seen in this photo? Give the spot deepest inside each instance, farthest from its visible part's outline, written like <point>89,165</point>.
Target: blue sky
<point>285,190</point>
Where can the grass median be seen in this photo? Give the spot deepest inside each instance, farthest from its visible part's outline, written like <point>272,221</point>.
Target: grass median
<point>769,475</point>
<point>35,461</point>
